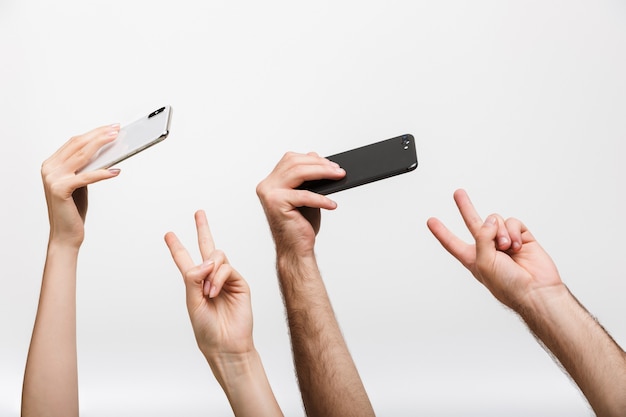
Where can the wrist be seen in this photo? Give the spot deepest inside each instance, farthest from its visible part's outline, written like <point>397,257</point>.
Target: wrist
<point>290,260</point>
<point>66,245</point>
<point>294,249</point>
<point>62,240</point>
<point>231,368</point>
<point>539,302</point>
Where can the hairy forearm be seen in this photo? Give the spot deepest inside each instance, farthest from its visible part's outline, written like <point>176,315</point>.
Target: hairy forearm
<point>328,379</point>
<point>51,377</point>
<point>245,383</point>
<point>588,353</point>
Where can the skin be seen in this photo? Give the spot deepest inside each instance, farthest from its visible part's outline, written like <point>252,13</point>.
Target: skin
<point>218,303</point>
<point>50,377</point>
<point>329,381</point>
<point>223,325</point>
<point>512,265</point>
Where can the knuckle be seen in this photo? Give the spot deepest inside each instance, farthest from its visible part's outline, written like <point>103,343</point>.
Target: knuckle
<point>78,139</point>
<point>57,189</point>
<point>219,255</point>
<point>260,189</point>
<point>45,168</point>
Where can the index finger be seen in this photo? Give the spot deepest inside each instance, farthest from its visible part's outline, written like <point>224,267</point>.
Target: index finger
<point>87,144</point>
<point>468,212</point>
<point>463,252</point>
<point>181,257</point>
<point>205,239</point>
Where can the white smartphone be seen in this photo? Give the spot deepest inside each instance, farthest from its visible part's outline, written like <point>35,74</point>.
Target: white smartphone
<point>132,139</point>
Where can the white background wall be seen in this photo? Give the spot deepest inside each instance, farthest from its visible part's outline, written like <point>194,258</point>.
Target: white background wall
<point>520,102</point>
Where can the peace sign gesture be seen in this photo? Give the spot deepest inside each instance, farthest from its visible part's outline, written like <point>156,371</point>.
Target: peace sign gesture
<point>218,298</point>
<point>506,257</point>
<point>218,302</point>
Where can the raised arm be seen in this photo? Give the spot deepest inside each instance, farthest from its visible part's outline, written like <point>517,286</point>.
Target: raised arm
<point>507,260</point>
<point>51,378</point>
<point>328,379</point>
<point>218,302</point>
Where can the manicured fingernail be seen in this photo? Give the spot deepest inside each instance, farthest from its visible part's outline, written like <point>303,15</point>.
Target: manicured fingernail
<point>503,240</point>
<point>212,291</point>
<point>115,171</point>
<point>490,220</point>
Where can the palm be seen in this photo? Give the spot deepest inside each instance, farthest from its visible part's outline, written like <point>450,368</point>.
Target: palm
<point>225,322</point>
<point>527,270</point>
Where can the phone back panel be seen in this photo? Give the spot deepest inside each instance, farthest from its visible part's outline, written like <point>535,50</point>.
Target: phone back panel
<point>369,163</point>
<point>132,139</point>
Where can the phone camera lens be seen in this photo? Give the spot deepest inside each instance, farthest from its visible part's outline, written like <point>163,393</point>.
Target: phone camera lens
<point>154,113</point>
<point>406,141</point>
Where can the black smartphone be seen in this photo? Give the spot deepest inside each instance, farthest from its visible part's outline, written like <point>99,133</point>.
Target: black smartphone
<point>369,163</point>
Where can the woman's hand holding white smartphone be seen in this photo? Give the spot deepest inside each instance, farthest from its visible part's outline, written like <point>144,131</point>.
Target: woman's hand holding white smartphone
<point>132,139</point>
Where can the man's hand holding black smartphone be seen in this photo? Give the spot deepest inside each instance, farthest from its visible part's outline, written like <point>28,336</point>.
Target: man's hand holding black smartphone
<point>369,163</point>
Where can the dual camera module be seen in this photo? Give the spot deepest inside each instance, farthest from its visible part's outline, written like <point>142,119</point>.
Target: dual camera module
<point>406,140</point>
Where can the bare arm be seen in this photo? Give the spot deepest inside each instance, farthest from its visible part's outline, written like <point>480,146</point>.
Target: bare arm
<point>329,381</point>
<point>218,302</point>
<point>51,378</point>
<point>328,378</point>
<point>518,272</point>
<point>591,357</point>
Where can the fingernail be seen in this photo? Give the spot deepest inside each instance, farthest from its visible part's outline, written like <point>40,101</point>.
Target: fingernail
<point>206,264</point>
<point>516,246</point>
<point>113,133</point>
<point>490,220</point>
<point>115,126</point>
<point>503,241</point>
<point>114,171</point>
<point>212,291</point>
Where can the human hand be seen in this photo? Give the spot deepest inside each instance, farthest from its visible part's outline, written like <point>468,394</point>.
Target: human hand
<point>293,214</point>
<point>218,298</point>
<point>66,191</point>
<point>506,257</point>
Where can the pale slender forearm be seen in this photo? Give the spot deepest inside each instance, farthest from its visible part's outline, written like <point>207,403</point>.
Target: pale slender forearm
<point>51,377</point>
<point>245,383</point>
<point>329,381</point>
<point>587,352</point>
